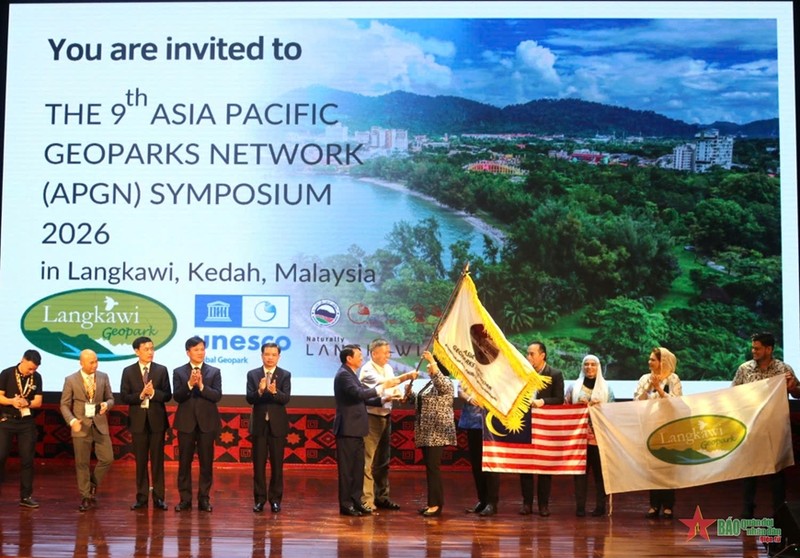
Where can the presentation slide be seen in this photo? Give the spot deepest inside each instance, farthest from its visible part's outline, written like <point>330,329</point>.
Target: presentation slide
<point>618,176</point>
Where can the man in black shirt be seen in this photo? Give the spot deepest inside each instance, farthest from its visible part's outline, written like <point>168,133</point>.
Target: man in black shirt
<point>20,392</point>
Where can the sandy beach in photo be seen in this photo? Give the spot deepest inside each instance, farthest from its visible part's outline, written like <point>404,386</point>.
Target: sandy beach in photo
<point>478,224</point>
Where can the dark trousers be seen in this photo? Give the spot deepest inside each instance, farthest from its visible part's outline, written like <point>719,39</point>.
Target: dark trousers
<point>432,457</point>
<point>203,444</point>
<point>543,492</point>
<point>264,447</point>
<point>581,481</point>
<point>487,484</point>
<point>777,482</point>
<point>350,466</point>
<point>25,431</point>
<point>148,446</point>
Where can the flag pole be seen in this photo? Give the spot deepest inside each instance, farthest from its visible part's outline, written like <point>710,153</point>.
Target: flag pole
<point>464,272</point>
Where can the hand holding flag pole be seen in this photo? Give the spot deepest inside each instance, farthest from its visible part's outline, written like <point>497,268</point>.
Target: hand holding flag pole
<point>453,294</point>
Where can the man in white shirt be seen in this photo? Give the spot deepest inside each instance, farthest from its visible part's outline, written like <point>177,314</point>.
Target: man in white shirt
<point>377,444</point>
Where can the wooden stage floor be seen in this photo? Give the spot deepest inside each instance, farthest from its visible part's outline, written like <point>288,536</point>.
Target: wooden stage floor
<point>310,525</point>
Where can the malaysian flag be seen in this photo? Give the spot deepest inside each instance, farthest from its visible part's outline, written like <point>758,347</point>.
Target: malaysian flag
<point>552,441</point>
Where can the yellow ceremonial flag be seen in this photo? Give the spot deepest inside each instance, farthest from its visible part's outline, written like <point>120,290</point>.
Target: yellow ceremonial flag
<point>471,346</point>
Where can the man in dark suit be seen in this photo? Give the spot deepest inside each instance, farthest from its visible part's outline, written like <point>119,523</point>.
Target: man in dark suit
<point>351,425</point>
<point>551,395</point>
<point>197,388</point>
<point>268,390</point>
<point>85,402</point>
<point>145,388</point>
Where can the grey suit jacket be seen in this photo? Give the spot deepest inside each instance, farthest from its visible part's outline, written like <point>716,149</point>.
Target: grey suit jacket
<point>74,399</point>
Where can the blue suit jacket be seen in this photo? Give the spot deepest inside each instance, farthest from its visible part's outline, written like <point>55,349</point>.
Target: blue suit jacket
<point>195,407</point>
<point>351,403</point>
<point>275,405</point>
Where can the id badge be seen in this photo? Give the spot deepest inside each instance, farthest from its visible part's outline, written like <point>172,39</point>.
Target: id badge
<point>25,412</point>
<point>89,410</point>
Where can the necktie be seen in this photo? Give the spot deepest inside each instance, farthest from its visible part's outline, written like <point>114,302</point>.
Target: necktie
<point>146,375</point>
<point>88,384</point>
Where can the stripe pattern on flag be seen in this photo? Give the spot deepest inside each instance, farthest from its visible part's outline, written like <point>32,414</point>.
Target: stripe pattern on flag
<point>552,441</point>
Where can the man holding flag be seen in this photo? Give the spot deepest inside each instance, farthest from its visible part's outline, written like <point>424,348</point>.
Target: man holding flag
<point>763,366</point>
<point>551,395</point>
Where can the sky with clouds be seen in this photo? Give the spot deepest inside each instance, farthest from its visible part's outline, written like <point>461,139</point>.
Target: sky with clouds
<point>695,70</point>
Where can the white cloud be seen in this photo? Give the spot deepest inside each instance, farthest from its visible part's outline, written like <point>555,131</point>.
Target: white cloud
<point>538,59</point>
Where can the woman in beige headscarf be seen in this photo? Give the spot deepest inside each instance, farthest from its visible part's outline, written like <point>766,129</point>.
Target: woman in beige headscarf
<point>662,381</point>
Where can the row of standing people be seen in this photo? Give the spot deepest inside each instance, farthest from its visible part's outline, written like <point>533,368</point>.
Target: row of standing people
<point>196,386</point>
<point>364,397</point>
<point>590,388</point>
<point>87,398</point>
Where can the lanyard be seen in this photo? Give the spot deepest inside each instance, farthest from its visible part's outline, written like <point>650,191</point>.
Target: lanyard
<point>29,385</point>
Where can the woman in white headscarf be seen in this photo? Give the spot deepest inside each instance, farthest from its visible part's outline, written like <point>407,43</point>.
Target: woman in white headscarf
<point>590,389</point>
<point>660,382</point>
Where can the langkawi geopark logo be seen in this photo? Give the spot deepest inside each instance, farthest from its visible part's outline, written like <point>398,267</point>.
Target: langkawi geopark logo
<point>103,320</point>
<point>697,439</point>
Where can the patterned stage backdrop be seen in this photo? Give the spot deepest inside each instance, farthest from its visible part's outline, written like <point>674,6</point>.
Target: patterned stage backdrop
<point>310,440</point>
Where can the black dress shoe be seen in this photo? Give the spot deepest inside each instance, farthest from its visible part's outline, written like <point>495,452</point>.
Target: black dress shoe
<point>651,514</point>
<point>276,507</point>
<point>362,509</point>
<point>580,512</point>
<point>488,510</point>
<point>429,513</point>
<point>204,507</point>
<point>598,512</point>
<point>544,511</point>
<point>183,506</point>
<point>477,508</point>
<point>526,509</point>
<point>29,503</point>
<point>351,511</point>
<point>387,504</point>
<point>139,506</point>
<point>86,504</point>
<point>160,504</point>
<point>259,507</point>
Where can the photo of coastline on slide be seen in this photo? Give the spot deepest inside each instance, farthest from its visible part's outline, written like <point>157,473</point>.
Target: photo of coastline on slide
<point>250,172</point>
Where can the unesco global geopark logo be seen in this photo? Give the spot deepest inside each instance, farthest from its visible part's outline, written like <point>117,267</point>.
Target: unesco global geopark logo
<point>103,320</point>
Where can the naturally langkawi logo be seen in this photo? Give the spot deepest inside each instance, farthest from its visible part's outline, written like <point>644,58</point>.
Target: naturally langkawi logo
<point>696,440</point>
<point>103,320</point>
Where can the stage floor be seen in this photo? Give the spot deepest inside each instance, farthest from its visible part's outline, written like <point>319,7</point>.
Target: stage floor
<point>309,524</point>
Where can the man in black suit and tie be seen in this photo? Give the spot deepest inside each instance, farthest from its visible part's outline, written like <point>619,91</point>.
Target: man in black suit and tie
<point>268,390</point>
<point>145,388</point>
<point>352,424</point>
<point>197,387</point>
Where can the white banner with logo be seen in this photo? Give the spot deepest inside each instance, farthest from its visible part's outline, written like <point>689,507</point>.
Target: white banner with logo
<point>677,442</point>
